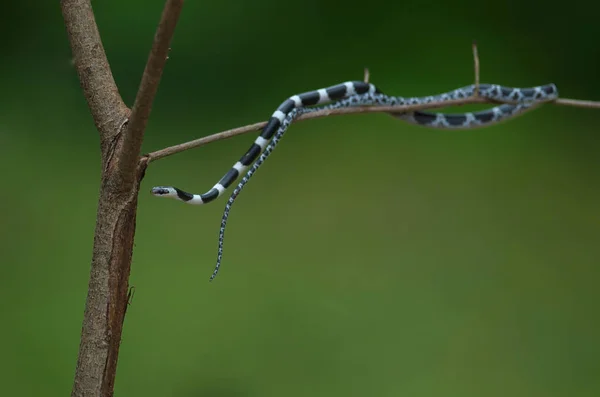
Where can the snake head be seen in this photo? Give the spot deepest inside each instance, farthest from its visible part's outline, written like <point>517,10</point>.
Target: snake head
<point>164,191</point>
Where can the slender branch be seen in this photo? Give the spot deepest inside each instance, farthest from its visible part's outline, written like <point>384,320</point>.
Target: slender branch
<point>307,116</point>
<point>578,103</point>
<point>476,67</point>
<point>154,69</point>
<point>206,140</point>
<point>152,75</point>
<point>159,154</point>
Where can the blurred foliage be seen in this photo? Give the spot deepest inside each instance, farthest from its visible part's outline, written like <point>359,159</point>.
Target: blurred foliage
<point>367,257</point>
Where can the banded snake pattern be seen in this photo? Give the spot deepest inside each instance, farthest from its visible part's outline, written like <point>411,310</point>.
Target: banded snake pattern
<point>357,93</point>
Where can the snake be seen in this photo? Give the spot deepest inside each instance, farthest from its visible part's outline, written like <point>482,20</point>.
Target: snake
<point>358,93</point>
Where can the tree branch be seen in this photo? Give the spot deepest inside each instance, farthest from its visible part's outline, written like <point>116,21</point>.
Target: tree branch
<point>159,154</point>
<point>98,85</point>
<point>152,74</point>
<point>578,103</point>
<point>107,297</point>
<point>307,116</point>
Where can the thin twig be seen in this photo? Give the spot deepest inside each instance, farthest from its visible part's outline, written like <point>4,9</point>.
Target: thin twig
<point>153,72</point>
<point>578,103</point>
<point>366,78</point>
<point>322,113</point>
<point>476,67</point>
<point>168,151</point>
<point>206,140</point>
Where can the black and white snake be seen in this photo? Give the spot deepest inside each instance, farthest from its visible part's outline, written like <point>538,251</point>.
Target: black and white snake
<point>357,93</point>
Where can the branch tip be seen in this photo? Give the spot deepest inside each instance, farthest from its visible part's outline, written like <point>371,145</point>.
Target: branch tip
<point>476,68</point>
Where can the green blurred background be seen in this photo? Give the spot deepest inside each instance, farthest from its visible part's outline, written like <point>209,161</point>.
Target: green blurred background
<point>438,263</point>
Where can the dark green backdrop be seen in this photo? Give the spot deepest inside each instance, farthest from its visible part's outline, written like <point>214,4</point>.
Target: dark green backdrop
<point>437,264</point>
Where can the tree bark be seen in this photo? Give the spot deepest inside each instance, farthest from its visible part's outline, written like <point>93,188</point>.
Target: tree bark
<point>122,172</point>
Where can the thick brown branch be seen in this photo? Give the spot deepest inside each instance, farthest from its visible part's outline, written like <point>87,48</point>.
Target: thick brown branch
<point>107,107</point>
<point>107,297</point>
